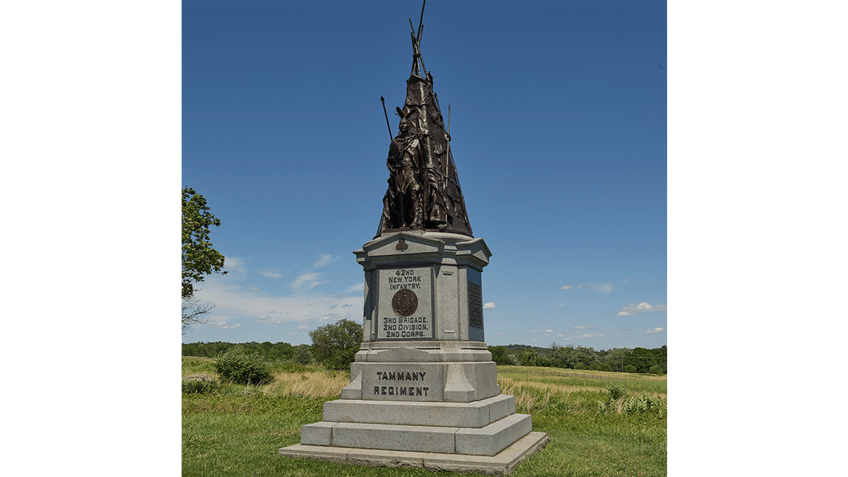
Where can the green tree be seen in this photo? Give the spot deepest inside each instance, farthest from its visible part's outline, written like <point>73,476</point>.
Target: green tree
<point>302,354</point>
<point>615,358</point>
<point>564,356</point>
<point>500,355</point>
<point>585,355</point>
<point>335,345</point>
<point>528,358</point>
<point>199,257</point>
<point>643,359</point>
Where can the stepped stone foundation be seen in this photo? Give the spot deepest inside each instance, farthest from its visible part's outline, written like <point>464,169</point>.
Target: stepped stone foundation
<point>423,390</point>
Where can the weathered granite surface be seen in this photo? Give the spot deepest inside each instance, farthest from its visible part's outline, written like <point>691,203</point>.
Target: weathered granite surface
<point>504,462</point>
<point>423,386</point>
<point>487,440</point>
<point>472,415</point>
<point>438,267</point>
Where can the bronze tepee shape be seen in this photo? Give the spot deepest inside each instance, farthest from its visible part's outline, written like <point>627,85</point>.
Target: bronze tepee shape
<point>424,191</point>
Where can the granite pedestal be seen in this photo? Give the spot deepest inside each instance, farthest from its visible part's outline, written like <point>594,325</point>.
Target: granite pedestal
<point>423,388</point>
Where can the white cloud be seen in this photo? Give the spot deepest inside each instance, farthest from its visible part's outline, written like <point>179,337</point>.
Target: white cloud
<point>579,335</point>
<point>489,306</point>
<point>656,330</point>
<point>307,281</point>
<point>255,288</point>
<point>303,327</point>
<point>580,327</point>
<point>324,260</point>
<point>601,288</point>
<point>234,266</point>
<point>358,287</point>
<point>237,303</point>
<point>233,263</point>
<point>270,274</point>
<point>222,325</point>
<point>643,307</point>
<point>567,287</point>
<point>590,335</point>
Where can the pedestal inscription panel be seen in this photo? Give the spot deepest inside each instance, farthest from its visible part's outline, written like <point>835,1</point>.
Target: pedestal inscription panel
<point>475,305</point>
<point>405,304</point>
<point>403,382</point>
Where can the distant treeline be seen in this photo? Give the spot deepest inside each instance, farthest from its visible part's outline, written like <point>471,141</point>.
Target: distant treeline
<point>630,360</point>
<point>267,350</point>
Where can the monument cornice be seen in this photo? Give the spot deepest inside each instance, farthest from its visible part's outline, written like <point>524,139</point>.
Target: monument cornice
<point>436,248</point>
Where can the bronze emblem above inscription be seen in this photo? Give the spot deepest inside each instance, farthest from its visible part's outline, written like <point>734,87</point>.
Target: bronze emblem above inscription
<point>405,302</point>
<point>401,245</point>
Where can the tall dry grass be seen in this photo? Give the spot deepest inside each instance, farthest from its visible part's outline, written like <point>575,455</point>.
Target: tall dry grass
<point>309,384</point>
<point>526,399</point>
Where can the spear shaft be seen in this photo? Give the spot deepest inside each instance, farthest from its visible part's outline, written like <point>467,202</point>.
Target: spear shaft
<point>421,22</point>
<point>383,100</point>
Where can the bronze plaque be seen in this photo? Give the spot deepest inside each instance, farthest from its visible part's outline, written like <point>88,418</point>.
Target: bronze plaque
<point>475,305</point>
<point>405,302</point>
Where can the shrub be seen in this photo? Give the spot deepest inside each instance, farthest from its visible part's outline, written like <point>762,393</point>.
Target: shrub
<point>616,391</point>
<point>579,366</point>
<point>242,368</point>
<point>643,403</point>
<point>656,369</point>
<point>630,368</point>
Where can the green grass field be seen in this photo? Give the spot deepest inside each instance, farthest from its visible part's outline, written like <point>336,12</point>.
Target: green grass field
<point>234,430</point>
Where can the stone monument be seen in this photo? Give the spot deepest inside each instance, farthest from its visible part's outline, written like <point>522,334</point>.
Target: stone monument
<point>423,390</point>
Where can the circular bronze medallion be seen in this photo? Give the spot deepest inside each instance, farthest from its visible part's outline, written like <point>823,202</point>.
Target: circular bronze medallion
<point>405,302</point>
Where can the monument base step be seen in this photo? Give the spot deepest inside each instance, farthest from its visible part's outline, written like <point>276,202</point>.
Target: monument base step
<point>447,414</point>
<point>487,440</point>
<point>504,462</point>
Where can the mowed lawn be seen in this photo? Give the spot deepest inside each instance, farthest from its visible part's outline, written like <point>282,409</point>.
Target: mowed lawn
<point>233,430</point>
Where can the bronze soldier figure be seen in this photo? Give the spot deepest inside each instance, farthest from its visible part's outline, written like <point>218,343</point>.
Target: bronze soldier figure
<point>402,202</point>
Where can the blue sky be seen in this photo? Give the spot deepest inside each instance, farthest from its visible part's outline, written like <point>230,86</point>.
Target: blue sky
<point>558,120</point>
